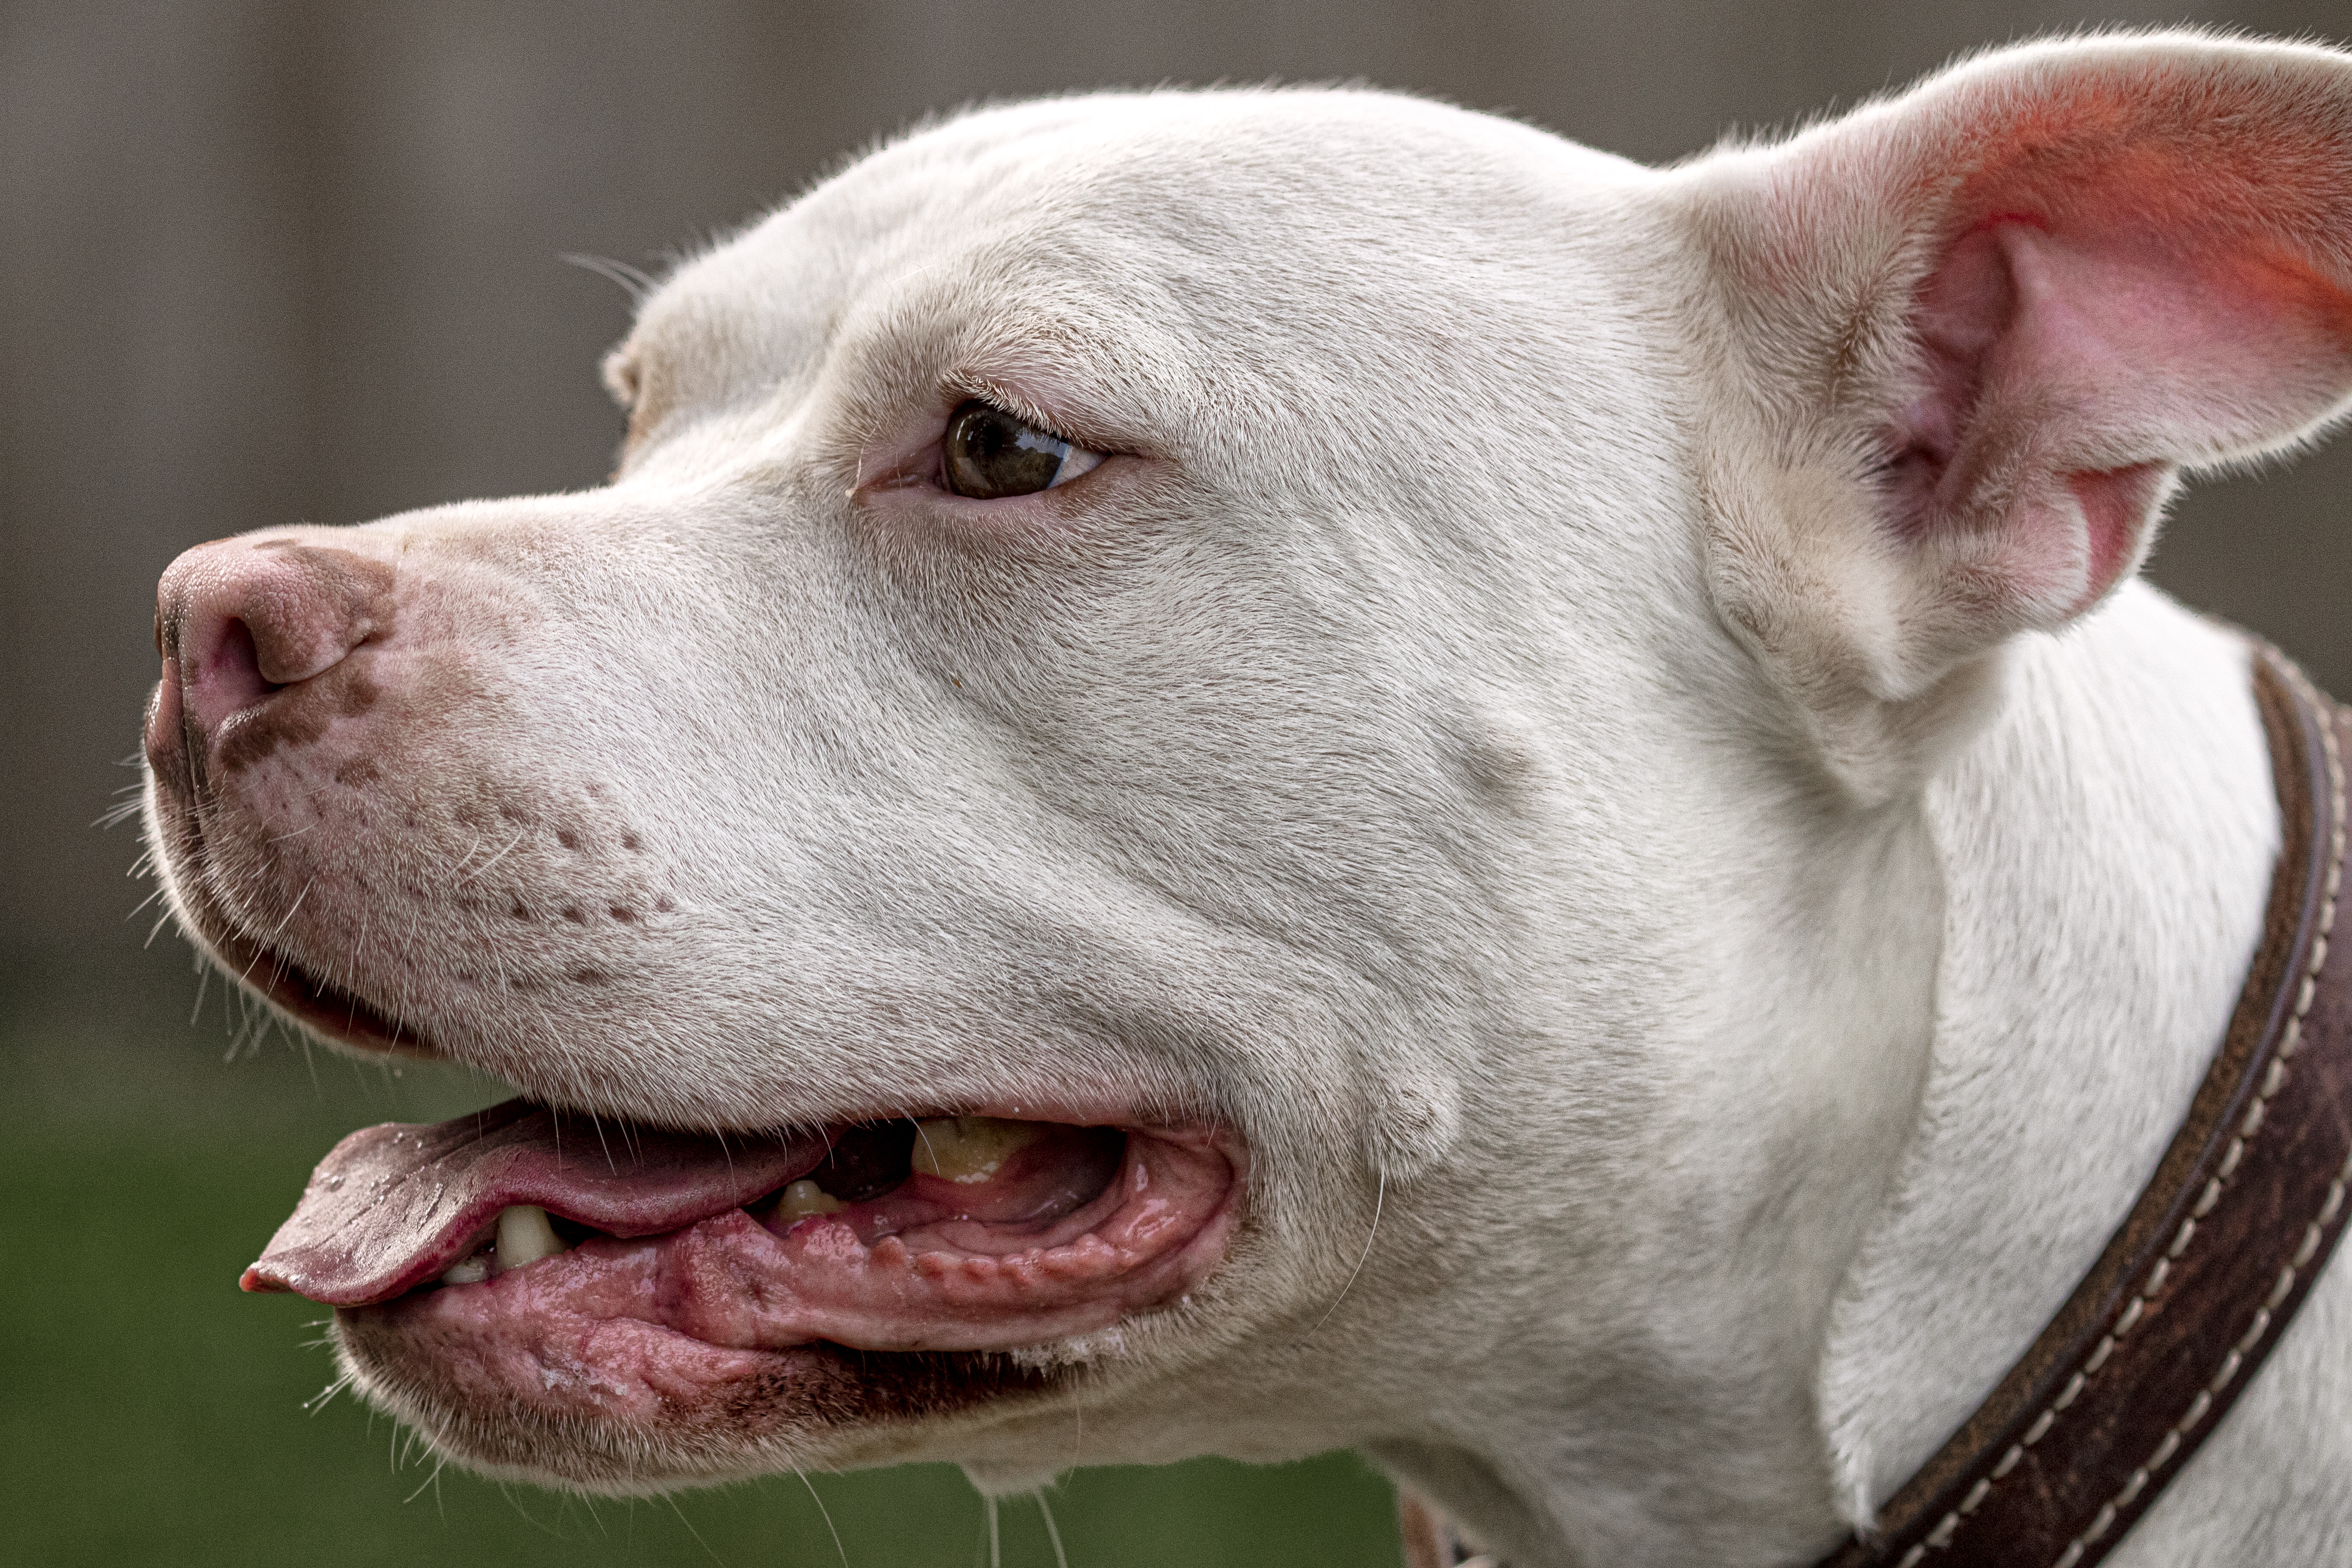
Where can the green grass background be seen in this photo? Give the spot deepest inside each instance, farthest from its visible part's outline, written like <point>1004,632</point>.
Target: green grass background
<point>150,1414</point>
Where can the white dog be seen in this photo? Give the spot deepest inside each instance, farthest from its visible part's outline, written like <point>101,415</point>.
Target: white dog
<point>1296,768</point>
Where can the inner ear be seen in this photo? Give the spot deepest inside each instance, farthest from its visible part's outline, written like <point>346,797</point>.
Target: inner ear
<point>2072,354</point>
<point>2126,285</point>
<point>2035,405</point>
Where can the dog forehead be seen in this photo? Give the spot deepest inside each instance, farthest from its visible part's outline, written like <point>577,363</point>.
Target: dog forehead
<point>1155,204</point>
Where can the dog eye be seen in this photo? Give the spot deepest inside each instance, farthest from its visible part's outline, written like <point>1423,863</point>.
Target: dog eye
<point>991,454</point>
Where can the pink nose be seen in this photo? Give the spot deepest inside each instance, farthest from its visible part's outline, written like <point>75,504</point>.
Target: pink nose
<point>238,621</point>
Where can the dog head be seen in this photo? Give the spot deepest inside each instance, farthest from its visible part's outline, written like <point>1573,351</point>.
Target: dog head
<point>1213,756</point>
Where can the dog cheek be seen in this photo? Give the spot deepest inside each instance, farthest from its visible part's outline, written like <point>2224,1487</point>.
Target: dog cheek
<point>1415,1123</point>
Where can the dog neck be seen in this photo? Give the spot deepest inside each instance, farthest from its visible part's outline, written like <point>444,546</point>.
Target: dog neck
<point>1952,1076</point>
<point>2107,848</point>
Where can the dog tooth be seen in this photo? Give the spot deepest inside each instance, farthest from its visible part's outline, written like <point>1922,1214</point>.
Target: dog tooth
<point>803,1198</point>
<point>470,1270</point>
<point>969,1149</point>
<point>526,1237</point>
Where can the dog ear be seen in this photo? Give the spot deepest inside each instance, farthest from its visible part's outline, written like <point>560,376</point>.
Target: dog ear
<point>1967,338</point>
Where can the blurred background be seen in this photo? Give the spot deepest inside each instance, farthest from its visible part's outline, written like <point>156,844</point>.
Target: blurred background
<point>263,261</point>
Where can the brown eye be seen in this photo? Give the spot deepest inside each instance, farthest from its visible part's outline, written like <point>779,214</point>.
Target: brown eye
<point>992,454</point>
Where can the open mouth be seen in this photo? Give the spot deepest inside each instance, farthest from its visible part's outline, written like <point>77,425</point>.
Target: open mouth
<point>590,1267</point>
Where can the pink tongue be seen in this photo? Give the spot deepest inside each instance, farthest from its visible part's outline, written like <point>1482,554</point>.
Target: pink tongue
<point>392,1207</point>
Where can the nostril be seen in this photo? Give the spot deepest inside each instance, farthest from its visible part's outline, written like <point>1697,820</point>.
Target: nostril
<point>225,677</point>
<point>241,621</point>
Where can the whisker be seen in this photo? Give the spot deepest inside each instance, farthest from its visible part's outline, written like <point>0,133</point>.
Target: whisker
<point>1379,1198</point>
<point>636,282</point>
<point>1061,1558</point>
<point>320,1400</point>
<point>469,855</point>
<point>694,1532</point>
<point>493,860</point>
<point>351,972</point>
<point>432,1481</point>
<point>823,1513</point>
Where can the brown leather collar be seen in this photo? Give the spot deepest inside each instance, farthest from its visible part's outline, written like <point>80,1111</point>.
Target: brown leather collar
<point>2171,1323</point>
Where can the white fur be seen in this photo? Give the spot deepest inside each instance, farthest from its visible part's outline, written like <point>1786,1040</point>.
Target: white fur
<point>1484,748</point>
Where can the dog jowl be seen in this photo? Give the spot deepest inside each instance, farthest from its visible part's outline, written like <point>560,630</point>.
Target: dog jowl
<point>1305,769</point>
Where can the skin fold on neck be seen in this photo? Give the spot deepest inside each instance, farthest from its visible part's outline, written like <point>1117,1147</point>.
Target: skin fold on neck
<point>2107,846</point>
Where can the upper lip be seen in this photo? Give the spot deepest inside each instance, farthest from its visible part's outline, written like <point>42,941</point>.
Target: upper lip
<point>326,1009</point>
<point>331,1011</point>
<point>174,759</point>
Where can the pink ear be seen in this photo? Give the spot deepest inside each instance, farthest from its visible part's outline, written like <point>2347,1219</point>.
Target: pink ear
<point>2065,272</point>
<point>2118,293</point>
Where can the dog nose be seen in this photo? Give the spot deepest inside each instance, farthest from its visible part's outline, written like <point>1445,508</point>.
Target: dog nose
<point>238,620</point>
